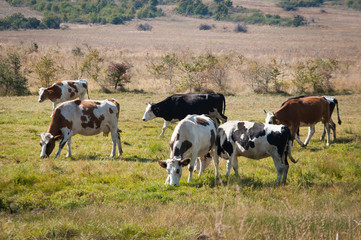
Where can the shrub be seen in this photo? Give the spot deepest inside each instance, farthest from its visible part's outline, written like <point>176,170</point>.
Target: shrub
<point>313,76</point>
<point>90,66</point>
<point>240,28</point>
<point>46,69</point>
<point>51,21</point>
<point>144,27</point>
<point>12,82</point>
<point>205,27</point>
<point>299,20</point>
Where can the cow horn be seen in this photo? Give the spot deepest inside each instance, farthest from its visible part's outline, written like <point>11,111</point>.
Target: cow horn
<point>265,111</point>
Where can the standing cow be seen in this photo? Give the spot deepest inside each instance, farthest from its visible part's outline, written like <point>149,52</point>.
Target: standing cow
<point>64,91</point>
<point>178,106</point>
<point>305,111</point>
<point>85,117</point>
<point>193,137</point>
<point>255,141</point>
<point>332,101</point>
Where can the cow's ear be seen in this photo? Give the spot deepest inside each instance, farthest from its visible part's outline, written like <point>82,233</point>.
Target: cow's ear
<point>184,162</point>
<point>58,137</point>
<point>163,164</point>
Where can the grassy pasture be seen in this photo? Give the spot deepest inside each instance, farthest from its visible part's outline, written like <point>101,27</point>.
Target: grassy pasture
<point>91,196</point>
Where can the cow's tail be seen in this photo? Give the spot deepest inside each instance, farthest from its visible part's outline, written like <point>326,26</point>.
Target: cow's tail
<point>289,149</point>
<point>338,114</point>
<point>224,107</point>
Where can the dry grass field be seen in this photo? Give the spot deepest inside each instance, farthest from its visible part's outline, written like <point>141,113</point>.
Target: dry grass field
<point>333,34</point>
<point>91,196</point>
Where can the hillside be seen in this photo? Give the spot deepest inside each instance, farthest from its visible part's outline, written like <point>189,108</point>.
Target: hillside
<point>7,10</point>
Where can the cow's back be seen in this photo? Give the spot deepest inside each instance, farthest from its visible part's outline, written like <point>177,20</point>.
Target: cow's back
<point>305,110</point>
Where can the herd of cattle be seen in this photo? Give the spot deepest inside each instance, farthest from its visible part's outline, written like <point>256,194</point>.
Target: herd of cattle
<point>198,137</point>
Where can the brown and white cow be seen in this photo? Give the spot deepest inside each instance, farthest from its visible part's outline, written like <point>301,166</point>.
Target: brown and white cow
<point>64,91</point>
<point>85,117</point>
<point>193,137</point>
<point>305,111</point>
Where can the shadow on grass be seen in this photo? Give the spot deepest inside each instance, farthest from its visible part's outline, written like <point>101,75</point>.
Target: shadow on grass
<point>343,140</point>
<point>135,158</point>
<point>241,181</point>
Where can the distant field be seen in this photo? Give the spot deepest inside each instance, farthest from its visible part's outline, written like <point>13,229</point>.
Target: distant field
<point>93,197</point>
<point>336,33</point>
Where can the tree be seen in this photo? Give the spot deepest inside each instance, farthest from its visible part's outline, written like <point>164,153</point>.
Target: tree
<point>116,74</point>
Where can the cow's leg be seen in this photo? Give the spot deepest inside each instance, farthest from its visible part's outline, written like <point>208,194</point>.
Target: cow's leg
<point>235,164</point>
<point>229,163</point>
<point>116,141</point>
<point>280,167</point>
<point>69,148</point>
<point>285,170</point>
<point>191,167</point>
<point>327,127</point>
<point>202,164</point>
<point>297,137</point>
<point>311,131</point>
<point>333,127</point>
<point>216,162</point>
<point>62,143</point>
<point>54,106</point>
<point>165,125</point>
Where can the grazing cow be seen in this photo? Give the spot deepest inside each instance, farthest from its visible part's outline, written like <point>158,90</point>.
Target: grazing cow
<point>64,91</point>
<point>178,106</point>
<point>332,101</point>
<point>193,137</point>
<point>255,141</point>
<point>305,111</point>
<point>85,117</point>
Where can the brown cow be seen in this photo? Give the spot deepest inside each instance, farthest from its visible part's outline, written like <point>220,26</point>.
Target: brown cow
<point>298,112</point>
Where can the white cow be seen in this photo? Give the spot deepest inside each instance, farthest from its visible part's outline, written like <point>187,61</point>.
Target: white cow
<point>193,137</point>
<point>85,117</point>
<point>64,91</point>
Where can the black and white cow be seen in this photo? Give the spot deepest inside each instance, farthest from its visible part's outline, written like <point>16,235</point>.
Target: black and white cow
<point>193,137</point>
<point>255,141</point>
<point>178,106</point>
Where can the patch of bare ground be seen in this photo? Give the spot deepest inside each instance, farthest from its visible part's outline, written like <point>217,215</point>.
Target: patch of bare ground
<point>335,33</point>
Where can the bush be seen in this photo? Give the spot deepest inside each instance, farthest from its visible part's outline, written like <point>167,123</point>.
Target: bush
<point>144,27</point>
<point>46,69</point>
<point>51,21</point>
<point>313,76</point>
<point>205,27</point>
<point>240,28</point>
<point>12,82</point>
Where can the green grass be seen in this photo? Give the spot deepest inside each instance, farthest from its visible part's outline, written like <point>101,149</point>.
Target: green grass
<point>91,196</point>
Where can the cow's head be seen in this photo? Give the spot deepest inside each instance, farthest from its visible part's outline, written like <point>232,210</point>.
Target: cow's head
<point>47,143</point>
<point>150,112</point>
<point>43,94</point>
<point>174,169</point>
<point>270,119</point>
